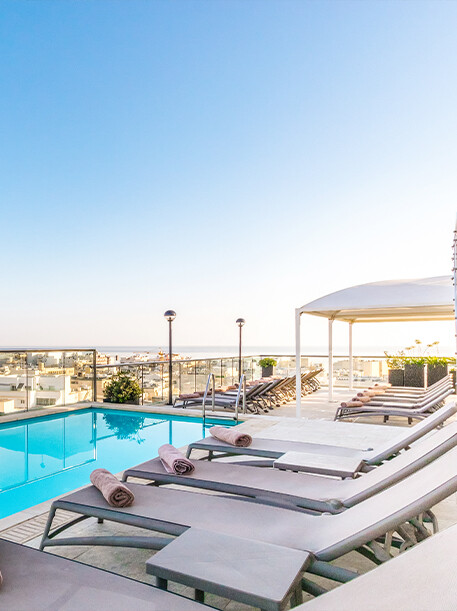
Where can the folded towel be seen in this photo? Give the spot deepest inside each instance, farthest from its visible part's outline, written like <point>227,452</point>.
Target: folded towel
<point>352,404</point>
<point>115,492</point>
<point>231,436</point>
<point>174,461</point>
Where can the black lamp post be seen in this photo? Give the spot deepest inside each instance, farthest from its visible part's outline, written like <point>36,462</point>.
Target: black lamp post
<point>240,322</point>
<point>170,315</point>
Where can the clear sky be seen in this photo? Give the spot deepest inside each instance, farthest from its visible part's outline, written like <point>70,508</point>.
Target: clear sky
<point>221,158</point>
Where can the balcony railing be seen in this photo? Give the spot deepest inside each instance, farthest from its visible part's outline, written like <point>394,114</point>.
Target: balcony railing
<point>33,379</point>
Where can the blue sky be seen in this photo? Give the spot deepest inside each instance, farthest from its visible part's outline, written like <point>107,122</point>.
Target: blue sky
<point>223,158</point>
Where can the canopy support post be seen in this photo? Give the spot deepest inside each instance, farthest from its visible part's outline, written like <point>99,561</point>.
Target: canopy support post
<point>330,359</point>
<point>454,279</point>
<point>297,364</point>
<point>351,359</point>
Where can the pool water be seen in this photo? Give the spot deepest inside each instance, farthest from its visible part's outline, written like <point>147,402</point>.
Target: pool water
<point>45,457</point>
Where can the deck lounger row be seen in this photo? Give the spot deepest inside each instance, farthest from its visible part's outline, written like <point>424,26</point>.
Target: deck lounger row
<point>274,448</point>
<point>413,391</point>
<point>415,400</point>
<point>259,397</point>
<point>423,578</point>
<point>326,537</point>
<point>39,581</point>
<point>411,411</point>
<point>296,490</point>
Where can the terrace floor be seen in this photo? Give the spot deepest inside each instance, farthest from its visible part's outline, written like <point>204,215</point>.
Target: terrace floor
<point>27,526</point>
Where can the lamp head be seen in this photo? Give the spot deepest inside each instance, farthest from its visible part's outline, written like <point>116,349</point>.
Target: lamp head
<point>170,315</point>
<point>240,322</point>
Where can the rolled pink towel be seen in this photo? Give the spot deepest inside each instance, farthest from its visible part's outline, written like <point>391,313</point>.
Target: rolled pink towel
<point>384,385</point>
<point>369,393</point>
<point>115,492</point>
<point>175,462</point>
<point>352,404</point>
<point>190,395</point>
<point>364,399</point>
<point>231,436</point>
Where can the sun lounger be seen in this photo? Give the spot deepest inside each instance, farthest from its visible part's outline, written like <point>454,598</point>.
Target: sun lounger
<point>413,390</point>
<point>228,400</point>
<point>420,579</point>
<point>411,411</point>
<point>413,400</point>
<point>295,490</point>
<point>274,448</point>
<point>326,537</point>
<point>388,398</point>
<point>39,581</point>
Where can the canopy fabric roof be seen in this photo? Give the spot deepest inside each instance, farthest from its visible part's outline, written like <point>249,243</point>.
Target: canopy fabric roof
<point>391,300</point>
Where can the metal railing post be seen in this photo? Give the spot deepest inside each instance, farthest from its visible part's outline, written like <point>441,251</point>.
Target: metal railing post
<point>94,375</point>
<point>211,378</point>
<point>241,393</point>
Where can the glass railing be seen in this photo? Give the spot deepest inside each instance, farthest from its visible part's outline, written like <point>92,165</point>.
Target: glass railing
<point>34,379</point>
<point>190,375</point>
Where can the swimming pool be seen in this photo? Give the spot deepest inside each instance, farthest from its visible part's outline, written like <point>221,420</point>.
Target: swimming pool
<point>44,457</point>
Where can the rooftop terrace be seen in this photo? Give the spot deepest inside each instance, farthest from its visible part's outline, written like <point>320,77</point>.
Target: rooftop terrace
<point>26,527</point>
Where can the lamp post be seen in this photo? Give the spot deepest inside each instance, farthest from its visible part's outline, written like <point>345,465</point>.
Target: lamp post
<point>240,322</point>
<point>170,315</point>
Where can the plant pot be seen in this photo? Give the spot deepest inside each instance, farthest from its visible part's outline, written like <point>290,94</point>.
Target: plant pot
<point>414,375</point>
<point>454,380</point>
<point>396,377</point>
<point>267,371</point>
<point>435,373</point>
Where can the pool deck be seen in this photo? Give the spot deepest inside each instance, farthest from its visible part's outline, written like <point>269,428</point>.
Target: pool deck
<point>27,526</point>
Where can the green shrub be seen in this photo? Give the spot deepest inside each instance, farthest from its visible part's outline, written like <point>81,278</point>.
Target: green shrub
<point>267,362</point>
<point>437,361</point>
<point>122,388</point>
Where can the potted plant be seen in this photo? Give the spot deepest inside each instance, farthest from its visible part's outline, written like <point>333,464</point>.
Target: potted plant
<point>396,365</point>
<point>122,388</point>
<point>437,368</point>
<point>267,365</point>
<point>415,371</point>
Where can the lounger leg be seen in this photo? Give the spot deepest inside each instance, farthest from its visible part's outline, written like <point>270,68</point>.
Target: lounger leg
<point>297,597</point>
<point>161,583</point>
<point>100,520</point>
<point>52,513</point>
<point>199,596</point>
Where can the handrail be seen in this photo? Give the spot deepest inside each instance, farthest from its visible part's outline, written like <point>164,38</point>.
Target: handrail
<point>189,361</point>
<point>212,379</point>
<point>241,387</point>
<point>240,393</point>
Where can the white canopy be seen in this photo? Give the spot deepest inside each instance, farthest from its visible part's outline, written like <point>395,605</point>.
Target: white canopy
<point>388,301</point>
